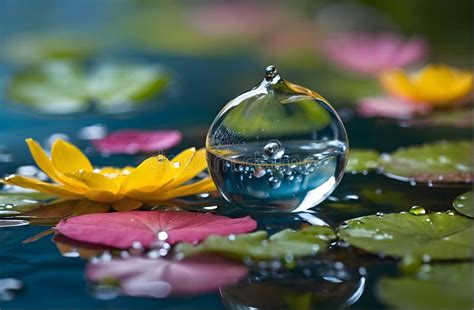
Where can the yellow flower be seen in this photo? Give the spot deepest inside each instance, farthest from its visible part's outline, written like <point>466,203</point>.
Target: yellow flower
<point>156,179</point>
<point>437,85</point>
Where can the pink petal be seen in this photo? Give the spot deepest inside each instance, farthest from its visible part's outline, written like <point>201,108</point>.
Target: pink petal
<point>390,107</point>
<point>159,278</point>
<point>135,141</point>
<point>373,53</point>
<point>121,229</point>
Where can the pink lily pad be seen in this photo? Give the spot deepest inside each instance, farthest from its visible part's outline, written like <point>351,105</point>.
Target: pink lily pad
<point>135,141</point>
<point>159,278</point>
<point>373,53</point>
<point>390,107</point>
<point>121,229</point>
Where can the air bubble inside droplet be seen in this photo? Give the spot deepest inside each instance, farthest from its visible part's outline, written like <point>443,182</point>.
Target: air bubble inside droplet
<point>273,150</point>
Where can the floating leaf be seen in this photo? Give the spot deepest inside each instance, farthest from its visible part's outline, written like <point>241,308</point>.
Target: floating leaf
<point>464,204</point>
<point>111,84</point>
<point>52,213</point>
<point>362,160</point>
<point>55,87</point>
<point>159,278</point>
<point>257,245</point>
<point>438,287</point>
<point>438,162</point>
<point>121,229</point>
<point>442,236</point>
<point>65,87</point>
<point>15,203</point>
<point>134,141</point>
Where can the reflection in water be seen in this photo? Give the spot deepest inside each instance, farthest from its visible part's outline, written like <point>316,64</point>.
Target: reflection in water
<point>159,278</point>
<point>313,284</point>
<point>8,286</point>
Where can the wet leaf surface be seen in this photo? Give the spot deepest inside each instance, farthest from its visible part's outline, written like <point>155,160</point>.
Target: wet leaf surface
<point>361,160</point>
<point>464,204</point>
<point>259,246</point>
<point>16,203</point>
<point>438,235</point>
<point>437,163</point>
<point>121,229</point>
<point>434,287</point>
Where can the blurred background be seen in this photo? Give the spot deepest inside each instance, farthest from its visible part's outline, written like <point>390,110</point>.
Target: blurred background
<point>67,65</point>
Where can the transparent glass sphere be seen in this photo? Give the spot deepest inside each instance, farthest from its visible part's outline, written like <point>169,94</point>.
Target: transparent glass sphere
<point>277,147</point>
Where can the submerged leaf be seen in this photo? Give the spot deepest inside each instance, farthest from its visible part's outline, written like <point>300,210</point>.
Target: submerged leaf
<point>438,287</point>
<point>438,162</point>
<point>158,278</point>
<point>257,245</point>
<point>464,204</point>
<point>361,160</point>
<point>121,229</point>
<point>440,236</point>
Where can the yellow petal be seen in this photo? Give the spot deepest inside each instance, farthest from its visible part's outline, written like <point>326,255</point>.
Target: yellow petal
<point>126,204</point>
<point>95,181</point>
<point>87,206</point>
<point>67,158</point>
<point>45,164</point>
<point>202,186</point>
<point>151,174</point>
<point>102,196</point>
<point>194,166</point>
<point>41,186</point>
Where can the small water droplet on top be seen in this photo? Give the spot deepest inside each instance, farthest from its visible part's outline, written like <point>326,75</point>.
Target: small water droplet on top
<point>417,210</point>
<point>270,72</point>
<point>273,150</point>
<point>380,214</point>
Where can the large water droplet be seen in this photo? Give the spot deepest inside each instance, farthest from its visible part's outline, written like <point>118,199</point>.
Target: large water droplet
<point>273,150</point>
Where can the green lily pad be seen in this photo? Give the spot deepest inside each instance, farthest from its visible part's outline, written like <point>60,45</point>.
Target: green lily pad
<point>441,236</point>
<point>436,287</point>
<point>55,88</point>
<point>112,85</point>
<point>433,163</point>
<point>16,203</point>
<point>258,246</point>
<point>464,204</point>
<point>361,161</point>
<point>65,87</point>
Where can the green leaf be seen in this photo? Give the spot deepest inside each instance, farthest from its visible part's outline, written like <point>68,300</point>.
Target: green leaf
<point>464,204</point>
<point>16,203</point>
<point>258,246</point>
<point>111,84</point>
<point>55,88</point>
<point>361,160</point>
<point>436,287</point>
<point>439,162</point>
<point>435,235</point>
<point>65,87</point>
